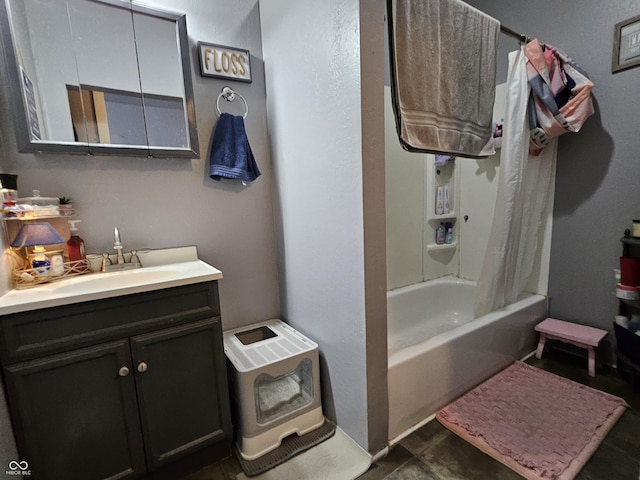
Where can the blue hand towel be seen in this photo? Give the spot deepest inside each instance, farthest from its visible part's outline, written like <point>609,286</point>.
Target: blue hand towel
<point>231,155</point>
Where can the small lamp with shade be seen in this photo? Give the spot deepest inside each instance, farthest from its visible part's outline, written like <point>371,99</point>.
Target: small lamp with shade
<point>36,235</point>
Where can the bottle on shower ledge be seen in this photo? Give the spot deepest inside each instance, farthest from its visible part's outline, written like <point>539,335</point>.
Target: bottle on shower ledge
<point>440,234</point>
<point>439,200</point>
<point>448,232</point>
<point>447,205</point>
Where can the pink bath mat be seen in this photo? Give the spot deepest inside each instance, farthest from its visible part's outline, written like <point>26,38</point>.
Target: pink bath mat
<point>542,426</point>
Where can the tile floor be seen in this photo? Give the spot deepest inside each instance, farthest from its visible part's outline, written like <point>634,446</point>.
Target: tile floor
<point>434,453</point>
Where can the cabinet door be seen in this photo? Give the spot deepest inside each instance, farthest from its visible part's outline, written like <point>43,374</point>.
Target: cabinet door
<point>75,414</point>
<point>182,390</point>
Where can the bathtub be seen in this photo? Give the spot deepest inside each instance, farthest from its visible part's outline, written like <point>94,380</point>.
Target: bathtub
<point>437,351</point>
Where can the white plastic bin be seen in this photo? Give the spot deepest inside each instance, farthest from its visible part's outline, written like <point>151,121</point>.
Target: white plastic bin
<point>275,381</point>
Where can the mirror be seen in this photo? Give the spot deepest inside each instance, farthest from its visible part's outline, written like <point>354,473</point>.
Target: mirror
<point>99,77</point>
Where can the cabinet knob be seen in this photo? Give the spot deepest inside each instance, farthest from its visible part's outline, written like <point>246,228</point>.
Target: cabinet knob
<point>142,367</point>
<point>123,372</point>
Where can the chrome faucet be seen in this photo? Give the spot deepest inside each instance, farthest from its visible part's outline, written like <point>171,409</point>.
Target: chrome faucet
<point>117,245</point>
<point>120,262</point>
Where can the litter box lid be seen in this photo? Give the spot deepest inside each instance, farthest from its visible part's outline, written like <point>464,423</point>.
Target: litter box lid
<point>265,343</point>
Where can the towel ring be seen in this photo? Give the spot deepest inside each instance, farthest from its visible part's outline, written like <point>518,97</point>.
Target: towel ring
<point>230,95</point>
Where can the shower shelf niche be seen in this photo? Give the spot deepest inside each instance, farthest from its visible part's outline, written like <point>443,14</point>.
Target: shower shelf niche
<point>440,175</point>
<point>445,216</point>
<point>441,246</point>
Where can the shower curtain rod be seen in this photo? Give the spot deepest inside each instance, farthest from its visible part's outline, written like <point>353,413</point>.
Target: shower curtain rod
<point>512,33</point>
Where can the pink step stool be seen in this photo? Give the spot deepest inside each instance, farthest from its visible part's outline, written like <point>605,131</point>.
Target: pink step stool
<point>573,333</point>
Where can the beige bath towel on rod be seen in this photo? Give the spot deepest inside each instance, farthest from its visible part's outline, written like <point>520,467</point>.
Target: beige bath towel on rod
<point>443,70</point>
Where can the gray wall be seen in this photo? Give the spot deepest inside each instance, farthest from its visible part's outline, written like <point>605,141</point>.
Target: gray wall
<point>167,202</point>
<point>161,203</point>
<point>596,192</point>
<point>324,69</point>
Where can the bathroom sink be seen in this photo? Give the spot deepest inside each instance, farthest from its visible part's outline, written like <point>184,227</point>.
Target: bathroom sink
<point>108,281</point>
<point>163,268</point>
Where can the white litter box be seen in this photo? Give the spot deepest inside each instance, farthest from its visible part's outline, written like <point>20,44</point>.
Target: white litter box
<point>275,383</point>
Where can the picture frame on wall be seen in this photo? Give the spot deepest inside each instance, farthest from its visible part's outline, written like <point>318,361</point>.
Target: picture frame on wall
<point>626,45</point>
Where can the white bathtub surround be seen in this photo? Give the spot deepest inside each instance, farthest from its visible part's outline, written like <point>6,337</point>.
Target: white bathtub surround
<point>524,187</point>
<point>437,351</point>
<point>411,221</point>
<point>405,205</point>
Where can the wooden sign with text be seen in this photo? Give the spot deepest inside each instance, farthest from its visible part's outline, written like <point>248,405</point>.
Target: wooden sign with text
<point>221,61</point>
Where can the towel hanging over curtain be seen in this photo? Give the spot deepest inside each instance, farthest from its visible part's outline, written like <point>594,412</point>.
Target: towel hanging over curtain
<point>546,88</point>
<point>561,94</point>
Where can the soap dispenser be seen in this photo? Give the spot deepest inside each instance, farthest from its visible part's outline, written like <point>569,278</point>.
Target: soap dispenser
<point>75,244</point>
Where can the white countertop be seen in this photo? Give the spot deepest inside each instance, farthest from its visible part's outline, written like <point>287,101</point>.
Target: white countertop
<point>161,269</point>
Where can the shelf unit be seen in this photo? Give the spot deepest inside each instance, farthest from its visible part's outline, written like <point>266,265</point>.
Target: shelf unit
<point>37,219</point>
<point>628,343</point>
<point>61,225</point>
<point>632,304</point>
<point>442,246</point>
<point>439,218</point>
<point>630,248</point>
<point>59,222</point>
<point>628,242</point>
<point>440,176</point>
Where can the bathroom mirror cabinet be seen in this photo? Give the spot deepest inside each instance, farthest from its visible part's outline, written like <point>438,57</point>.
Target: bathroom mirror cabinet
<point>104,77</point>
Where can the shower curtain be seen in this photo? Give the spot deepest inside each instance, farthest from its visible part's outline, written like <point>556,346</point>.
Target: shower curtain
<point>524,185</point>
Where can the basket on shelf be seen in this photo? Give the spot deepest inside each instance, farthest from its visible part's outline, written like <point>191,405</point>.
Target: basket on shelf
<point>30,277</point>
